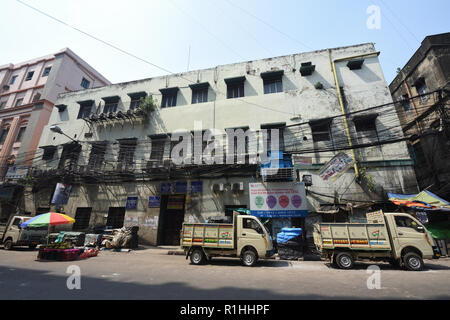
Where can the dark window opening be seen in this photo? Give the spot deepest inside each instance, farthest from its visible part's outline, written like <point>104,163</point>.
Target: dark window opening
<point>20,134</point>
<point>111,104</point>
<point>85,110</point>
<point>157,151</point>
<point>321,130</point>
<point>406,103</point>
<point>49,153</point>
<point>85,83</point>
<point>272,81</point>
<point>3,135</point>
<point>19,102</point>
<point>82,218</point>
<point>29,76</point>
<point>169,97</point>
<point>46,71</point>
<point>13,79</point>
<point>116,217</point>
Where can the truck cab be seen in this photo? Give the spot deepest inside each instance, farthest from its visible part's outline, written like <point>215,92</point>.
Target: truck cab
<point>12,234</point>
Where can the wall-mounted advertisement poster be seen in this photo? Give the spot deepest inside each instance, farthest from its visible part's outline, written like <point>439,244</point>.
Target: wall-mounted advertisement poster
<point>278,200</point>
<point>62,193</point>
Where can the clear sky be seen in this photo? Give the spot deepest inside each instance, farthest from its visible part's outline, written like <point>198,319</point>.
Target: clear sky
<point>216,31</point>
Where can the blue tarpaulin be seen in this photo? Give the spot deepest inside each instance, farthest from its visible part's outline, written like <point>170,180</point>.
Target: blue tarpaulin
<point>287,234</point>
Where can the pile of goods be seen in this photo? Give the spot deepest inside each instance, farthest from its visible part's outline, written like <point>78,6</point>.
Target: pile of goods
<point>290,244</point>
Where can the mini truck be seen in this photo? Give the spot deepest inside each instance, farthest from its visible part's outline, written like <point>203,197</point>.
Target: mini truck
<point>246,238</point>
<point>12,234</point>
<point>397,238</point>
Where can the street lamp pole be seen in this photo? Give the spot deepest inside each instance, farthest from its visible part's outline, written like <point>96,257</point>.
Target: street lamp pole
<point>59,130</point>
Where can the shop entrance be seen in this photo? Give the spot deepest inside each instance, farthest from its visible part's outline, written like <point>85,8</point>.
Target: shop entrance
<point>171,219</point>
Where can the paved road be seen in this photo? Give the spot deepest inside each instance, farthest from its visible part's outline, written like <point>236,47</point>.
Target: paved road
<point>152,274</point>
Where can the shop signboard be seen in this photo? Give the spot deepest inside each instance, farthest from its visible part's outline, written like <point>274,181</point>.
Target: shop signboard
<point>180,187</point>
<point>15,172</point>
<point>301,162</point>
<point>278,200</point>
<point>154,201</point>
<point>336,166</point>
<point>196,186</point>
<point>61,194</point>
<point>132,202</point>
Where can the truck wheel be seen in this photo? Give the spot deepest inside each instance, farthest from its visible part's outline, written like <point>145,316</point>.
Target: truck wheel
<point>413,261</point>
<point>8,245</point>
<point>197,256</point>
<point>344,260</point>
<point>249,258</point>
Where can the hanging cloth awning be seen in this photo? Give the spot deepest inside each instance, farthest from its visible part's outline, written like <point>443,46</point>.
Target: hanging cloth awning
<point>424,201</point>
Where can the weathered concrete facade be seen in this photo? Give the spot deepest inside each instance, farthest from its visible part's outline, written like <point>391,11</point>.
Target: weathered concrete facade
<point>294,108</point>
<point>422,91</point>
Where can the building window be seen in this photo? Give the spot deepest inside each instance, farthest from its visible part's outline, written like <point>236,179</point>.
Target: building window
<point>29,76</point>
<point>127,147</point>
<point>365,124</point>
<point>136,99</point>
<point>13,80</point>
<point>274,126</point>
<point>422,89</point>
<point>157,151</point>
<point>406,103</point>
<point>272,81</point>
<point>85,109</point>
<point>49,153</point>
<point>69,156</point>
<point>235,87</point>
<point>111,104</point>
<point>82,218</point>
<point>85,83</point>
<point>366,129</point>
<point>2,104</point>
<point>321,129</point>
<point>19,102</point>
<point>116,216</point>
<point>97,155</point>
<point>199,92</point>
<point>20,134</point>
<point>169,97</point>
<point>46,71</point>
<point>3,135</point>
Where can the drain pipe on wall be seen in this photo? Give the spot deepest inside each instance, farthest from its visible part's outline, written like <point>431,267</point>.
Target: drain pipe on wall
<point>341,101</point>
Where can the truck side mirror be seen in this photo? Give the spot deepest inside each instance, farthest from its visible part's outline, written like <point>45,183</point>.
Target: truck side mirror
<point>420,229</point>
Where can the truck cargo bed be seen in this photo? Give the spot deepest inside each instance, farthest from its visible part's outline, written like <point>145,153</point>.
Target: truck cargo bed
<point>208,235</point>
<point>357,236</point>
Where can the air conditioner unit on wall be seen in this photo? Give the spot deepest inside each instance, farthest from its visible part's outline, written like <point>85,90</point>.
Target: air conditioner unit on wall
<point>218,187</point>
<point>238,186</point>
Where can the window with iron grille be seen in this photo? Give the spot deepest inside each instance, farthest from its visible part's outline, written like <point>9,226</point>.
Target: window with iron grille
<point>135,103</point>
<point>110,107</point>
<point>116,216</point>
<point>127,147</point>
<point>199,95</point>
<point>169,99</point>
<point>97,155</point>
<point>235,90</point>
<point>69,156</point>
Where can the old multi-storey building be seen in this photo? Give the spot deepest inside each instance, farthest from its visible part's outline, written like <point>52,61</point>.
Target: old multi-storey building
<point>421,90</point>
<point>117,154</point>
<point>28,91</point>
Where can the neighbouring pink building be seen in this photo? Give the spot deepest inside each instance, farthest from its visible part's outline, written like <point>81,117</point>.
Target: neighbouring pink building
<point>28,91</point>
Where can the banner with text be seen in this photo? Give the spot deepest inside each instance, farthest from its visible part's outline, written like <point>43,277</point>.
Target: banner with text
<point>278,200</point>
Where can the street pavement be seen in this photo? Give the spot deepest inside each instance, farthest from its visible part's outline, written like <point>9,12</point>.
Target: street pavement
<point>150,273</point>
